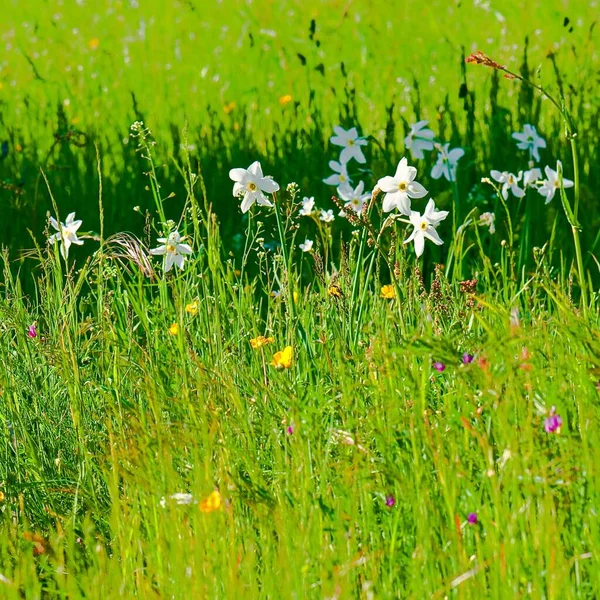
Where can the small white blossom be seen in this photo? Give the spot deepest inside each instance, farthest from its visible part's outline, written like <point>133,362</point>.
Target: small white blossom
<point>424,227</point>
<point>327,216</point>
<point>400,188</point>
<point>250,183</point>
<point>340,173</point>
<point>552,182</point>
<point>531,177</point>
<point>351,142</point>
<point>308,205</point>
<point>509,181</point>
<point>419,138</point>
<point>446,162</point>
<point>67,233</point>
<point>529,139</point>
<point>488,220</point>
<point>354,197</point>
<point>173,250</point>
<point>306,246</point>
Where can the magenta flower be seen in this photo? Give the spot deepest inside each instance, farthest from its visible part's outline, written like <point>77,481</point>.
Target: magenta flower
<point>290,430</point>
<point>472,518</point>
<point>553,424</point>
<point>439,366</point>
<point>390,500</point>
<point>32,331</point>
<point>467,358</point>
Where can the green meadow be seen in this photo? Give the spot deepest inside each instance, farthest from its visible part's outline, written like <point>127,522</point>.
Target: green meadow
<point>224,380</point>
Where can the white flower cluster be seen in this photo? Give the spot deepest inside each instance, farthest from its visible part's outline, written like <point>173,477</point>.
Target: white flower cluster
<point>420,139</point>
<point>517,185</point>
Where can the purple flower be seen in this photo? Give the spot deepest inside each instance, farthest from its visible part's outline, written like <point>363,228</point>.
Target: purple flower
<point>290,430</point>
<point>439,366</point>
<point>467,358</point>
<point>472,518</point>
<point>32,331</point>
<point>390,500</point>
<point>553,423</point>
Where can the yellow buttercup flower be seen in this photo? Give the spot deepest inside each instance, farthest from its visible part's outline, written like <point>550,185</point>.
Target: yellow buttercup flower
<point>174,329</point>
<point>285,99</point>
<point>211,503</point>
<point>192,308</point>
<point>296,297</point>
<point>260,341</point>
<point>335,291</point>
<point>388,292</point>
<point>228,108</point>
<point>1,496</point>
<point>94,43</point>
<point>283,359</point>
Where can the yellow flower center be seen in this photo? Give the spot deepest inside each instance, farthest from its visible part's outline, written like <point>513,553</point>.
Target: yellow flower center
<point>403,186</point>
<point>171,248</point>
<point>252,186</point>
<point>423,225</point>
<point>350,142</point>
<point>342,178</point>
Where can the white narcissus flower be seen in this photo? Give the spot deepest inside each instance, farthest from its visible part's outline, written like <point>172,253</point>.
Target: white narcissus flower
<point>509,181</point>
<point>67,233</point>
<point>340,173</point>
<point>529,139</point>
<point>307,246</point>
<point>446,162</point>
<point>351,142</point>
<point>400,188</point>
<point>424,227</point>
<point>354,197</point>
<point>250,183</point>
<point>531,177</point>
<point>308,205</point>
<point>327,216</point>
<point>173,250</point>
<point>488,220</point>
<point>552,182</point>
<point>419,138</point>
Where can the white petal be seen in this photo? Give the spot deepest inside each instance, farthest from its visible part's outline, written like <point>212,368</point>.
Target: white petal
<point>332,180</point>
<point>416,190</point>
<point>497,176</point>
<point>158,251</point>
<point>256,170</point>
<point>431,234</point>
<point>389,202</point>
<point>388,184</point>
<point>183,249</point>
<point>238,188</point>
<point>419,243</point>
<point>238,175</point>
<point>402,170</point>
<point>179,260</point>
<point>268,185</point>
<point>263,200</point>
<point>249,200</point>
<point>169,259</point>
<point>437,170</point>
<point>334,165</point>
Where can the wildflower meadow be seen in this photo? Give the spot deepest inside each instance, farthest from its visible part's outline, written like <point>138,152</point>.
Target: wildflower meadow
<point>299,299</point>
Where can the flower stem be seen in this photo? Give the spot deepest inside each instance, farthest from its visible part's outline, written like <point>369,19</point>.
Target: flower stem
<point>288,286</point>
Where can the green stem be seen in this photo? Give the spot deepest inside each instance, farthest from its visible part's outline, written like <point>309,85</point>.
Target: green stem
<point>288,285</point>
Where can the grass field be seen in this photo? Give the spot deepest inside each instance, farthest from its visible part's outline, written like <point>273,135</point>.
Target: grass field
<point>209,395</point>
